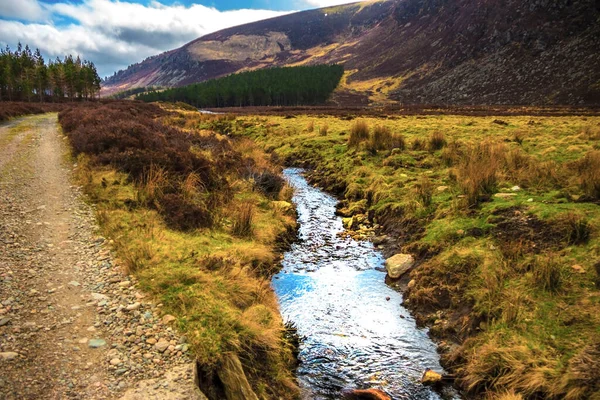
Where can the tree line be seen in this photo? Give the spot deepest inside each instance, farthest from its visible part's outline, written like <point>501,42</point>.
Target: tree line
<point>281,86</point>
<point>25,76</point>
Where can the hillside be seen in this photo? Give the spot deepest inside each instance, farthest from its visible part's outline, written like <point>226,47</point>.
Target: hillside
<point>409,51</point>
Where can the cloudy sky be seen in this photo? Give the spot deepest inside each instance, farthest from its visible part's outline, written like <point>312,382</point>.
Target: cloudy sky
<point>116,33</point>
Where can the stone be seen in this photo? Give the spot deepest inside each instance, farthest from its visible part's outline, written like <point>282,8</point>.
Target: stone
<point>4,321</point>
<point>167,319</point>
<point>530,200</point>
<point>162,345</point>
<point>99,296</point>
<point>398,265</point>
<point>430,377</point>
<point>115,362</point>
<point>74,283</point>
<point>516,188</point>
<point>133,306</point>
<point>96,343</point>
<point>576,268</point>
<point>411,284</point>
<point>365,394</point>
<point>504,195</point>
<point>8,356</point>
<point>442,188</point>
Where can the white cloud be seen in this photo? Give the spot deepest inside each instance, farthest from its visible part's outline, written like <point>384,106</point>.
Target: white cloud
<point>329,3</point>
<point>114,34</point>
<point>26,10</point>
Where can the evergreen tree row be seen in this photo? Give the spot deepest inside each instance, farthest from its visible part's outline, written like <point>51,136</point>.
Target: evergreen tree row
<point>285,86</point>
<point>25,76</point>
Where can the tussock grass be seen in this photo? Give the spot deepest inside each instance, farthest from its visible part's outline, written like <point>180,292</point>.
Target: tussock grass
<point>483,278</point>
<point>436,141</point>
<point>477,172</point>
<point>547,273</point>
<point>588,170</point>
<point>242,220</point>
<point>323,130</point>
<point>214,279</point>
<point>383,139</point>
<point>425,191</point>
<point>359,132</point>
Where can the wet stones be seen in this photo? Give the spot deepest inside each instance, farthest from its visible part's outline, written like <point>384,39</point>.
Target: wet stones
<point>365,394</point>
<point>398,265</point>
<point>431,378</point>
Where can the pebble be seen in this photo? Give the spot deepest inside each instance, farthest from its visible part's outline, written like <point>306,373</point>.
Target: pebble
<point>96,343</point>
<point>133,306</point>
<point>162,345</point>
<point>8,356</point>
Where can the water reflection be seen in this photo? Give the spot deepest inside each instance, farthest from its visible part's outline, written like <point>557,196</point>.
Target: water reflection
<point>357,334</point>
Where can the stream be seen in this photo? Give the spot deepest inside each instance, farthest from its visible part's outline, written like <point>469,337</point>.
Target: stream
<point>333,289</point>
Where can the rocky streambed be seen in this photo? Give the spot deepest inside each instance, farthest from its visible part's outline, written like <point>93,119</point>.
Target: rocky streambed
<point>356,334</point>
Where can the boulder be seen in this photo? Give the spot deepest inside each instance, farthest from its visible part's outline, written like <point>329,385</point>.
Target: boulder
<point>431,377</point>
<point>398,265</point>
<point>234,379</point>
<point>365,394</point>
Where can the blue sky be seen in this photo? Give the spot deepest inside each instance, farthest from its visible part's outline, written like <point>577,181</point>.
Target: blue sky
<point>116,33</point>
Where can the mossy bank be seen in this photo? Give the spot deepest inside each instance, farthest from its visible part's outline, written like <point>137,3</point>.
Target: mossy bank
<point>502,217</point>
<point>201,220</point>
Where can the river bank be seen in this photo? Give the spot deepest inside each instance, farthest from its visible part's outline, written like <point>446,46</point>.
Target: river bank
<point>200,222</point>
<point>501,218</point>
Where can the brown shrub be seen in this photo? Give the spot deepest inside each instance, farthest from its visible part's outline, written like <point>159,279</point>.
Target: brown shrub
<point>582,380</point>
<point>437,141</point>
<point>173,169</point>
<point>10,110</point>
<point>242,220</point>
<point>547,273</point>
<point>425,191</point>
<point>588,170</point>
<point>452,153</point>
<point>418,144</point>
<point>476,172</point>
<point>574,227</point>
<point>358,133</point>
<point>323,130</point>
<point>383,139</point>
<point>183,214</point>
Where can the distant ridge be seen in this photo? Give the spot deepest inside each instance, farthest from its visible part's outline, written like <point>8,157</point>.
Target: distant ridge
<point>530,52</point>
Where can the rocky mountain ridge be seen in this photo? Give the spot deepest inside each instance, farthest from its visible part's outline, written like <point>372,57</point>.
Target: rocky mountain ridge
<point>532,52</point>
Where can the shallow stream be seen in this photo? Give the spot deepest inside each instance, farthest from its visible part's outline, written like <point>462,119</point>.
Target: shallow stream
<point>333,289</point>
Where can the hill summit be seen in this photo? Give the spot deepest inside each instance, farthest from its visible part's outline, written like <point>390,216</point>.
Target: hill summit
<point>532,52</point>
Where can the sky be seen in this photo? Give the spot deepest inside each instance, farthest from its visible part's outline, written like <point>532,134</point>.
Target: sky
<point>116,33</point>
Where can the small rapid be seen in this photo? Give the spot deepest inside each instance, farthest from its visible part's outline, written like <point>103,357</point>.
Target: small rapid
<point>333,289</point>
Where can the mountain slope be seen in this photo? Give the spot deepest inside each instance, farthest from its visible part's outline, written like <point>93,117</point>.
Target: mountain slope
<point>410,51</point>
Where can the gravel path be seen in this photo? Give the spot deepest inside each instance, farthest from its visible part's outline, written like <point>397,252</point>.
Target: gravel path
<point>71,324</point>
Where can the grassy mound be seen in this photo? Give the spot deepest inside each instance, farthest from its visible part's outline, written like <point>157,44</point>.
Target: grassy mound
<point>503,218</point>
<point>187,217</point>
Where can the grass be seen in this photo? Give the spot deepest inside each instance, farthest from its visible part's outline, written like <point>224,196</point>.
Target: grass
<point>214,279</point>
<point>496,215</point>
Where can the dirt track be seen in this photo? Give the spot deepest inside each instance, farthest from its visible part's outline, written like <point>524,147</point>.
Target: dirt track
<point>71,324</point>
